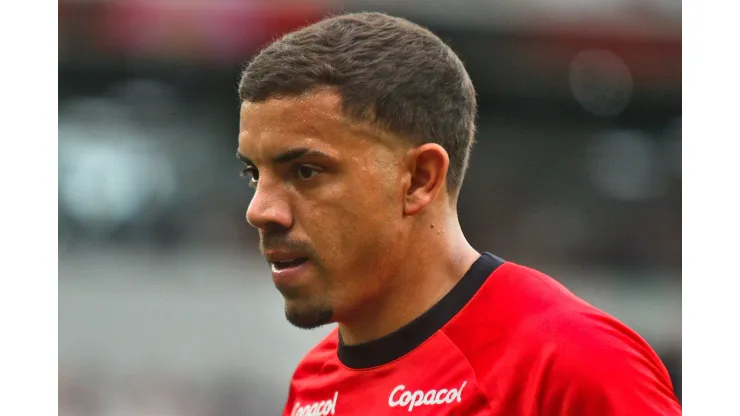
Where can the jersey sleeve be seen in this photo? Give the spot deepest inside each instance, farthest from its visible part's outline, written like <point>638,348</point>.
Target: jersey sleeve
<point>288,408</point>
<point>608,372</point>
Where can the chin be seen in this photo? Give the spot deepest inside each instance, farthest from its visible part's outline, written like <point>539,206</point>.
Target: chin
<point>308,317</point>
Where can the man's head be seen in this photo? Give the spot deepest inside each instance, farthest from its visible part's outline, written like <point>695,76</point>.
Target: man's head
<point>356,132</point>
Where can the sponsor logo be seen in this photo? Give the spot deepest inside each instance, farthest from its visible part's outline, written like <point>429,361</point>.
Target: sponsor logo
<point>327,407</point>
<point>411,399</point>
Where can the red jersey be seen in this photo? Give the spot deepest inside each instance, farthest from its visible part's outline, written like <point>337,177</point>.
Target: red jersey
<point>506,340</point>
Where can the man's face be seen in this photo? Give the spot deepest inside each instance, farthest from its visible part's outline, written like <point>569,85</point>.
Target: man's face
<point>327,204</point>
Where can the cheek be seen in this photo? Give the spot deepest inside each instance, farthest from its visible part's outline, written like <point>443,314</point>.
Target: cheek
<point>353,220</point>
<point>367,223</point>
<point>350,226</point>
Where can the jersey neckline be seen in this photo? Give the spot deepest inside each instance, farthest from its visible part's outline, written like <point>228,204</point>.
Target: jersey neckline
<point>404,340</point>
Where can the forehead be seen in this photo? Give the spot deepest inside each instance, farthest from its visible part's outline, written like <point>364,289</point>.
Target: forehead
<point>312,120</point>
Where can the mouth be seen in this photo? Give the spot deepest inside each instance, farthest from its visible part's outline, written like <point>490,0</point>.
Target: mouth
<point>283,265</point>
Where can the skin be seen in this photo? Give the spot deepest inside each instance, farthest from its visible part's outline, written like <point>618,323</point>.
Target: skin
<point>369,211</point>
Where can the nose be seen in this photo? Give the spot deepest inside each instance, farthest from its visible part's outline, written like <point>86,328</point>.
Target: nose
<point>269,208</point>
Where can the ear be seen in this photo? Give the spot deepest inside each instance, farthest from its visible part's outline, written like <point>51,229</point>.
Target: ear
<point>427,166</point>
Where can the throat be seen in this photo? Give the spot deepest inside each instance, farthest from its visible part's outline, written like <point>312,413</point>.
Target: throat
<point>416,294</point>
<point>385,316</point>
<point>378,343</point>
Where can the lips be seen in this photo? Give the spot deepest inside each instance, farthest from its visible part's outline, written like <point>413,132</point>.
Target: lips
<point>284,259</point>
<point>288,263</point>
<point>287,269</point>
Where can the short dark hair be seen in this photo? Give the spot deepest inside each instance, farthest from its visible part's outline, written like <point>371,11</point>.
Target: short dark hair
<point>388,71</point>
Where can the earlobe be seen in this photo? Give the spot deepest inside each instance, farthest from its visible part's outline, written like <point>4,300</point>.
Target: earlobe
<point>427,166</point>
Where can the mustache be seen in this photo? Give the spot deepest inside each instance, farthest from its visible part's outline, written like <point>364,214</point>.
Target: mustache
<point>281,242</point>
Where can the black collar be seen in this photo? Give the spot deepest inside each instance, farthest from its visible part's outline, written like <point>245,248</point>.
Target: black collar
<point>404,340</point>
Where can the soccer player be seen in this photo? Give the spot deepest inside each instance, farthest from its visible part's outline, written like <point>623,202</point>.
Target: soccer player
<point>356,133</point>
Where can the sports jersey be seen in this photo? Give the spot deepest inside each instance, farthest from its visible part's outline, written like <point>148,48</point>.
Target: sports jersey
<point>506,340</point>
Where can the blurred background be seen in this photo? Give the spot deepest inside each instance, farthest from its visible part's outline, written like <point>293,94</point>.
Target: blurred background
<point>165,305</point>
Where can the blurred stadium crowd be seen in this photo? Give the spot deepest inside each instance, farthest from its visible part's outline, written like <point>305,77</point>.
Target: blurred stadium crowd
<point>576,170</point>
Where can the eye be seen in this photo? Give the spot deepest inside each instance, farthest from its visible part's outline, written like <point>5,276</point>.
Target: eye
<point>251,173</point>
<point>306,172</point>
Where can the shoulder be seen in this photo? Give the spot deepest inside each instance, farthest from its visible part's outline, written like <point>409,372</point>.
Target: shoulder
<point>582,342</point>
<point>537,334</point>
<point>320,354</point>
<point>579,339</point>
<point>590,361</point>
<point>310,365</point>
<point>586,342</point>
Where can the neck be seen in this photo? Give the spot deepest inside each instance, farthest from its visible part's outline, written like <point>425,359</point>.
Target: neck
<point>429,270</point>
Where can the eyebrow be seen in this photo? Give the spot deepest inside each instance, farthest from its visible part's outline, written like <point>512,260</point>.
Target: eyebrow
<point>287,156</point>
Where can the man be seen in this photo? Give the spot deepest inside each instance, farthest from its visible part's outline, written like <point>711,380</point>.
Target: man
<point>356,133</point>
